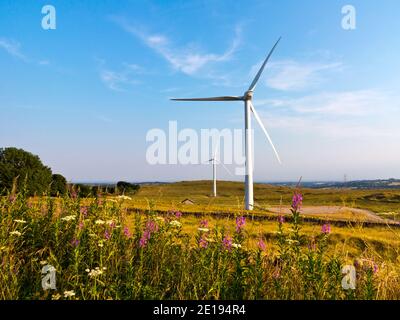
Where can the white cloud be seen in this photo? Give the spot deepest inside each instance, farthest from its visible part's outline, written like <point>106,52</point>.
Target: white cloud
<point>119,80</point>
<point>347,103</point>
<point>290,75</point>
<point>188,59</point>
<point>362,113</point>
<point>13,48</point>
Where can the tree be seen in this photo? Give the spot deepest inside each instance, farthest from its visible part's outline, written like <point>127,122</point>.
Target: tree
<point>58,185</point>
<point>26,169</point>
<point>126,187</point>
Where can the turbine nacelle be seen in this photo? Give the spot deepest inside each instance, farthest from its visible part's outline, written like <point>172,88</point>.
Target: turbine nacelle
<point>248,95</point>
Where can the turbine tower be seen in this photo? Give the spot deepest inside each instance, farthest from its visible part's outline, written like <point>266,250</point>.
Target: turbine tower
<point>247,98</point>
<point>214,161</point>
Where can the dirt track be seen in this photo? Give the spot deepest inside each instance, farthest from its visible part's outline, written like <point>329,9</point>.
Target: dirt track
<point>334,212</point>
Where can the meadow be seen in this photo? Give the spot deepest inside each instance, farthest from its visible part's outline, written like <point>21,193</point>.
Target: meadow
<point>126,247</point>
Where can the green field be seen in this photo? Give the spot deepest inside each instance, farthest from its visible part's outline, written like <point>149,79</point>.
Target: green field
<point>384,203</point>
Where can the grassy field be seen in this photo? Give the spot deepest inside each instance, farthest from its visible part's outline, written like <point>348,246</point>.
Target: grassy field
<point>150,246</point>
<point>385,203</point>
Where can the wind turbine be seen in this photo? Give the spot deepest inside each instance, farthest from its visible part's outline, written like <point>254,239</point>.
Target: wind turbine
<point>248,108</point>
<point>214,161</point>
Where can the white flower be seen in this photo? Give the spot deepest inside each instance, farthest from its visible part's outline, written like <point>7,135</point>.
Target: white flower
<point>99,222</point>
<point>94,272</point>
<point>15,233</point>
<point>87,270</point>
<point>69,293</point>
<point>236,245</point>
<point>56,296</point>
<point>68,218</point>
<point>175,223</point>
<point>19,221</point>
<point>124,197</point>
<point>203,229</point>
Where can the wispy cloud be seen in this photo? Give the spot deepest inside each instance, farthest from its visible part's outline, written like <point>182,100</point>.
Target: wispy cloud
<point>347,103</point>
<point>13,48</point>
<point>119,80</point>
<point>336,114</point>
<point>188,59</point>
<point>290,75</point>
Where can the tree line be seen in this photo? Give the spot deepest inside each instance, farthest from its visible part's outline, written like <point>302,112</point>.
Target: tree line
<point>22,170</point>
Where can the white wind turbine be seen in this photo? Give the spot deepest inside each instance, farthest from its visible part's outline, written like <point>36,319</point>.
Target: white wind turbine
<point>248,107</point>
<point>214,161</point>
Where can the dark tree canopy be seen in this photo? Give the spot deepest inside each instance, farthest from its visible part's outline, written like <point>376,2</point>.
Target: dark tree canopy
<point>126,187</point>
<point>24,168</point>
<point>58,185</point>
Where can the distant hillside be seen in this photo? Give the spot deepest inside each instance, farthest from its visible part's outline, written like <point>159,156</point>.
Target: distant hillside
<point>358,184</point>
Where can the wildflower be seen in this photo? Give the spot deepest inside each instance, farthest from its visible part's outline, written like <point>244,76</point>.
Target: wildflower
<point>127,233</point>
<point>161,219</point>
<point>326,228</point>
<point>227,243</point>
<point>87,270</point>
<point>175,223</point>
<point>178,214</point>
<point>261,245</point>
<point>203,243</point>
<point>281,219</point>
<point>203,229</point>
<point>375,268</point>
<point>204,223</point>
<point>69,293</point>
<point>100,244</point>
<point>111,223</point>
<point>15,233</point>
<point>99,221</point>
<point>75,242</point>
<point>12,198</point>
<point>19,221</point>
<point>74,195</point>
<point>68,218</point>
<point>236,245</point>
<point>84,211</point>
<point>297,201</point>
<point>142,242</point>
<point>43,262</point>
<point>240,222</point>
<point>56,296</point>
<point>107,235</point>
<point>95,272</point>
<point>124,197</point>
<point>277,273</point>
<point>81,225</point>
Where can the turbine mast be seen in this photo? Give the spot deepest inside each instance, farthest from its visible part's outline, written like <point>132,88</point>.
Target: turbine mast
<point>214,178</point>
<point>249,202</point>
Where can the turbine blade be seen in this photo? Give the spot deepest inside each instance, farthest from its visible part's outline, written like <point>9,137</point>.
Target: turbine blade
<point>265,131</point>
<point>225,98</point>
<point>216,150</point>
<point>224,166</point>
<point>258,75</point>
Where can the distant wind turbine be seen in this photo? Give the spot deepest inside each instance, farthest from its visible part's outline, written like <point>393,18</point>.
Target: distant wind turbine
<point>248,107</point>
<point>214,161</point>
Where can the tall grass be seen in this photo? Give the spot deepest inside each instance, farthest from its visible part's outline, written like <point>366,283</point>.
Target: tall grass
<point>100,251</point>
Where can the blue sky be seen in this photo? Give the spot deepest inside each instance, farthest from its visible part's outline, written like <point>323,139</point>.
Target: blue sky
<point>84,96</point>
